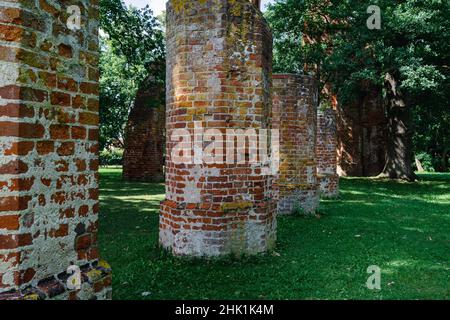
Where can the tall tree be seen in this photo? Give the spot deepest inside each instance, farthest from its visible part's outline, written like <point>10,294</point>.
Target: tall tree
<point>405,58</point>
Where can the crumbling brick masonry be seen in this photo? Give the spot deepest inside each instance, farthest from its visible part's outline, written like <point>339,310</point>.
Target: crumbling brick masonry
<point>219,60</point>
<point>143,159</point>
<point>295,115</point>
<point>48,151</point>
<point>326,153</point>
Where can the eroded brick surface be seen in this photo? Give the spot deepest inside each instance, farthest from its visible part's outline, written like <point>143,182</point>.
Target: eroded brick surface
<point>326,153</point>
<point>295,115</point>
<point>143,159</point>
<point>218,73</point>
<point>48,146</point>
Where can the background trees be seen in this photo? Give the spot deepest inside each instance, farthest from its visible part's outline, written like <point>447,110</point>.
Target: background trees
<point>405,60</point>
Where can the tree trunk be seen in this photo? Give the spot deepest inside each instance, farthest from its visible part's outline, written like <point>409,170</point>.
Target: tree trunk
<point>399,145</point>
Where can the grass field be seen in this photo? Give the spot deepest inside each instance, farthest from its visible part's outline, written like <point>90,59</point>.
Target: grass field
<point>404,228</point>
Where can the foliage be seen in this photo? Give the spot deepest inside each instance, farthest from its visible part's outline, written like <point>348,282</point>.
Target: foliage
<point>413,45</point>
<point>133,43</point>
<point>432,129</point>
<point>374,222</point>
<point>118,88</point>
<point>111,157</point>
<point>134,33</point>
<point>426,160</point>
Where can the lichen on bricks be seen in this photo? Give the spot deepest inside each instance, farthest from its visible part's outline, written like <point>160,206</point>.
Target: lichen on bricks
<point>327,153</point>
<point>219,61</point>
<point>295,115</point>
<point>48,151</point>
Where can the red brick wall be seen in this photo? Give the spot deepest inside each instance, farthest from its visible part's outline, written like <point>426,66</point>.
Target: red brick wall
<point>48,149</point>
<point>143,159</point>
<point>218,73</point>
<point>326,152</point>
<point>295,115</point>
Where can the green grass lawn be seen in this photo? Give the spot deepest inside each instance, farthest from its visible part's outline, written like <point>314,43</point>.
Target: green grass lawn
<point>404,228</point>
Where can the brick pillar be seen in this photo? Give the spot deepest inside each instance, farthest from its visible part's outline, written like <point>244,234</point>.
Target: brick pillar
<point>295,115</point>
<point>48,152</point>
<point>326,153</point>
<point>219,74</point>
<point>143,159</point>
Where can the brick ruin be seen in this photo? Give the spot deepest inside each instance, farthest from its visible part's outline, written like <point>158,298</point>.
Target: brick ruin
<point>295,115</point>
<point>362,135</point>
<point>326,153</point>
<point>219,61</point>
<point>143,158</point>
<point>219,75</point>
<point>48,146</point>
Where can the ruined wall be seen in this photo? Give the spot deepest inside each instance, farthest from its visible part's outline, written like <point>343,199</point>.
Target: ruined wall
<point>48,151</point>
<point>143,159</point>
<point>295,115</point>
<point>219,65</point>
<point>362,136</point>
<point>326,153</point>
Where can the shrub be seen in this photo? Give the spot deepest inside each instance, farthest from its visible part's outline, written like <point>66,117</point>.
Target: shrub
<point>111,157</point>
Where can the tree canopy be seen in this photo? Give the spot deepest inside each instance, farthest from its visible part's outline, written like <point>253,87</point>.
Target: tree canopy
<point>406,58</point>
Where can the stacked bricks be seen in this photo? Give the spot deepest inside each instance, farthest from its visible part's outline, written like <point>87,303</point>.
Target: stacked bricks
<point>295,115</point>
<point>48,152</point>
<point>326,153</point>
<point>143,158</point>
<point>219,61</point>
<point>362,135</point>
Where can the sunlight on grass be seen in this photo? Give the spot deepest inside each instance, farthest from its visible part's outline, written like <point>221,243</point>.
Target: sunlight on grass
<point>401,227</point>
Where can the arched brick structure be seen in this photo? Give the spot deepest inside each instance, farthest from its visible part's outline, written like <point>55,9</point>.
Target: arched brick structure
<point>326,153</point>
<point>48,151</point>
<point>219,74</point>
<point>143,159</point>
<point>295,115</point>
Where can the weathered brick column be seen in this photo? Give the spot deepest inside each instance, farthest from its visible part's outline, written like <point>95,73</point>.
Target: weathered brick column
<point>219,61</point>
<point>143,159</point>
<point>48,152</point>
<point>326,153</point>
<point>295,115</point>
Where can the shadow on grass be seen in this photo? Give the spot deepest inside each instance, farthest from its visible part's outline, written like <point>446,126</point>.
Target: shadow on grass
<point>401,227</point>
